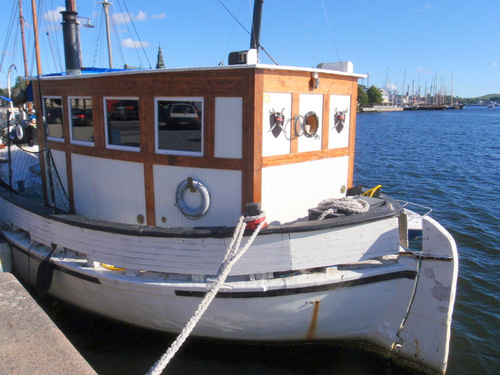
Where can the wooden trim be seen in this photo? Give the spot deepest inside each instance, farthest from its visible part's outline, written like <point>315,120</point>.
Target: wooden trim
<point>325,134</point>
<point>69,176</point>
<point>209,127</point>
<point>65,119</point>
<point>99,128</point>
<point>300,82</point>
<point>272,161</point>
<point>252,140</point>
<point>149,191</point>
<point>139,157</point>
<point>294,142</point>
<point>147,124</point>
<point>352,134</point>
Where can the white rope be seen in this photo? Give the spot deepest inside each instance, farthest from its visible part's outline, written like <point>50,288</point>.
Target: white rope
<point>348,205</point>
<point>233,253</point>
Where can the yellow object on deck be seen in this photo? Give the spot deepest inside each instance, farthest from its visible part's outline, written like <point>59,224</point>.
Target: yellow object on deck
<point>112,268</point>
<point>371,192</point>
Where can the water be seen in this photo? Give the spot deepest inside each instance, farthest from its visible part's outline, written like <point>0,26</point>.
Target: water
<point>448,160</point>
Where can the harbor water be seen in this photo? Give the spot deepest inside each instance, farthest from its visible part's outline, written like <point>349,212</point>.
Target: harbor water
<point>447,160</point>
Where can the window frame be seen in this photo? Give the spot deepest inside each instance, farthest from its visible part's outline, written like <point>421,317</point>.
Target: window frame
<point>162,151</point>
<point>46,123</point>
<point>106,132</point>
<point>78,141</point>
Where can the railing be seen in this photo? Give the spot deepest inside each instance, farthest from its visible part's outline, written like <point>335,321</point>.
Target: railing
<point>405,204</point>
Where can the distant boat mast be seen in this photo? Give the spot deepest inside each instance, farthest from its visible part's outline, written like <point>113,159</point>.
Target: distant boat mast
<point>106,5</point>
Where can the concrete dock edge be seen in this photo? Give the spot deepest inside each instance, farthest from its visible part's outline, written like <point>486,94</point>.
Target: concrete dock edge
<point>30,343</point>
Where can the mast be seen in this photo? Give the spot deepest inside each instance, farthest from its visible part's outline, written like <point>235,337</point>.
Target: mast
<point>451,97</point>
<point>106,5</point>
<point>23,42</point>
<point>21,20</point>
<point>37,43</point>
<point>39,113</point>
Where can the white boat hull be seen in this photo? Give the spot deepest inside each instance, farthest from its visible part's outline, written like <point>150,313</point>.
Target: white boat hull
<point>366,292</point>
<point>303,307</point>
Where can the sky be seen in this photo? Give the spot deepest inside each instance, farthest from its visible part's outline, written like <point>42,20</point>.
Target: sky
<point>396,43</point>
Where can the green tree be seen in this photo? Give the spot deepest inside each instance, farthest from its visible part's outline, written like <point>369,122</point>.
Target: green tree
<point>494,99</point>
<point>362,97</point>
<point>20,83</point>
<point>374,96</point>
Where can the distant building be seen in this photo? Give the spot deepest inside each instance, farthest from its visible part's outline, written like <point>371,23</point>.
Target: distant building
<point>159,62</point>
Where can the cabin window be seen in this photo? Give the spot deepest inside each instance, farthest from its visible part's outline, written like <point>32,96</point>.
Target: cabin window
<point>122,123</point>
<point>81,120</point>
<point>179,126</point>
<point>53,114</point>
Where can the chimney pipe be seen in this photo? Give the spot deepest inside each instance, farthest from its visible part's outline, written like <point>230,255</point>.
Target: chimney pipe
<point>71,39</point>
<point>256,21</point>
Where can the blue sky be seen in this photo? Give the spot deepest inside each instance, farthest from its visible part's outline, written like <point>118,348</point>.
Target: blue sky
<point>396,42</point>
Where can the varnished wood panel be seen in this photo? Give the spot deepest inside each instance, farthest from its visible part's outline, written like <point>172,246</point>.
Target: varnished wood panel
<point>300,81</point>
<point>69,173</point>
<point>209,127</point>
<point>326,122</point>
<point>294,142</point>
<point>271,161</point>
<point>252,141</point>
<point>149,189</point>
<point>147,124</point>
<point>352,134</point>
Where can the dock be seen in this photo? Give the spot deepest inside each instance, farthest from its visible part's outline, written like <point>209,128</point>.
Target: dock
<point>30,341</point>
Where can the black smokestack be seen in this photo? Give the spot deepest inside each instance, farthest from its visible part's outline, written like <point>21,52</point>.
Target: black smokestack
<point>71,39</point>
<point>257,18</point>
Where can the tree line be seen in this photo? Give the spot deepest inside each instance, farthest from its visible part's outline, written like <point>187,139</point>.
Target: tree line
<point>370,97</point>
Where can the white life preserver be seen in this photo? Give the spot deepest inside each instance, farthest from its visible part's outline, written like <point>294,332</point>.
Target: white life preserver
<point>19,132</point>
<point>190,212</point>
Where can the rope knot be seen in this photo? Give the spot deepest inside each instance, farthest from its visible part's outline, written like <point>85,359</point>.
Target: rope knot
<point>254,216</point>
<point>347,205</point>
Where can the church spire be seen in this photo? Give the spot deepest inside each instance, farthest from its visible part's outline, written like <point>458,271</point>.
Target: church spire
<point>159,62</point>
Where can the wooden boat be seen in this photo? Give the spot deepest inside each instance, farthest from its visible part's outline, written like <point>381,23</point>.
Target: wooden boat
<point>153,200</point>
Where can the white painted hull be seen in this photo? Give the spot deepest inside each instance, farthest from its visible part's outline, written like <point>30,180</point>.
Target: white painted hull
<point>344,312</point>
<point>366,287</point>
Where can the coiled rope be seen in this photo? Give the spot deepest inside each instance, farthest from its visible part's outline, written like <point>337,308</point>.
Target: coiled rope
<point>349,205</point>
<point>233,253</point>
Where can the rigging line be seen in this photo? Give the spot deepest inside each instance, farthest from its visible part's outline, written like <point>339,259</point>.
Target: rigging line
<point>127,18</point>
<point>9,32</point>
<point>113,19</point>
<point>53,42</point>
<point>230,36</point>
<point>97,38</point>
<point>232,15</point>
<point>137,34</point>
<point>248,32</point>
<point>331,30</point>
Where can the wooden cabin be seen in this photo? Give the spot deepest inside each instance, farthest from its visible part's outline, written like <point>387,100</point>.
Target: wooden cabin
<point>123,141</point>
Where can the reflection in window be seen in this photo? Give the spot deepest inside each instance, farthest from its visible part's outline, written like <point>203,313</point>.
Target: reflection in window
<point>82,128</point>
<point>179,125</point>
<point>122,121</point>
<point>53,113</point>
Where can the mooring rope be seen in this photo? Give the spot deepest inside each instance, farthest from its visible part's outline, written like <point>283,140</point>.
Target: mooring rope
<point>348,205</point>
<point>233,253</point>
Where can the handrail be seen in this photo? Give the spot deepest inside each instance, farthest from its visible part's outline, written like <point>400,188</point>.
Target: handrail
<point>405,203</point>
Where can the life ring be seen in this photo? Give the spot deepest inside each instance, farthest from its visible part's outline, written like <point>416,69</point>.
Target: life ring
<point>192,213</point>
<point>19,132</point>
